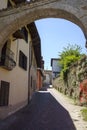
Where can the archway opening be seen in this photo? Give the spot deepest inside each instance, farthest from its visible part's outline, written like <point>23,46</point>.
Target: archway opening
<point>56,34</point>
<point>19,17</point>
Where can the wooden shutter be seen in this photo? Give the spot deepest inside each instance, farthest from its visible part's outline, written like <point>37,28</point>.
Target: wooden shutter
<point>4,93</point>
<point>22,60</point>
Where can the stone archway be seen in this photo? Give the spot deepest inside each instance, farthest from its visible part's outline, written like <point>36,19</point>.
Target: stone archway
<point>12,19</point>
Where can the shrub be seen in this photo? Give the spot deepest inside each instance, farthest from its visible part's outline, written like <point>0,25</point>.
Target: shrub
<point>69,55</point>
<point>84,113</point>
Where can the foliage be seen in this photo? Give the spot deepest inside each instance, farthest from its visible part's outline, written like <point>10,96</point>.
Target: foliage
<point>84,113</point>
<point>70,54</point>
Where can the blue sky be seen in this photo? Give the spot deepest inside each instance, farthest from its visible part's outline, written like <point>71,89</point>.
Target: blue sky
<point>56,34</point>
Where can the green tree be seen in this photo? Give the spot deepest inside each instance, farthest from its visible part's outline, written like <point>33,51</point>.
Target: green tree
<point>70,54</point>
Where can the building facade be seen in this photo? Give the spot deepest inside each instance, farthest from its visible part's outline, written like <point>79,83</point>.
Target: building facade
<point>36,42</point>
<point>20,58</point>
<point>48,77</point>
<point>14,68</point>
<point>56,68</point>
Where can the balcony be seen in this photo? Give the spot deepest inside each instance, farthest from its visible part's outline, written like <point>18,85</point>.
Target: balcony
<point>7,60</point>
<point>21,34</point>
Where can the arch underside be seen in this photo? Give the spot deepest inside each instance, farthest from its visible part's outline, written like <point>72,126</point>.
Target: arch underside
<point>38,14</point>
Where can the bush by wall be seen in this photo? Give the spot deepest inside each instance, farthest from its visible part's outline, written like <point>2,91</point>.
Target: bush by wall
<point>76,83</point>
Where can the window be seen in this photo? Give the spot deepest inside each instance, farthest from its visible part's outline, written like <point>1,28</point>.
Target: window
<point>22,60</point>
<point>30,54</point>
<point>3,54</point>
<point>4,93</point>
<point>7,57</point>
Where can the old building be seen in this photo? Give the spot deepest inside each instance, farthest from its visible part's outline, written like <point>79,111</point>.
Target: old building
<point>48,77</point>
<point>20,58</point>
<point>40,78</point>
<point>56,68</point>
<point>36,71</point>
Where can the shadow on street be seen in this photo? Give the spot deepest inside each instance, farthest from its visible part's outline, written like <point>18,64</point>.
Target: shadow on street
<point>43,113</point>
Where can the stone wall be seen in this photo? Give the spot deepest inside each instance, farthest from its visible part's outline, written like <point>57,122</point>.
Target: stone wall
<point>76,77</point>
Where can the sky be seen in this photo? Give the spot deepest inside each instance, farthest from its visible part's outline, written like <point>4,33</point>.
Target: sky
<point>55,34</point>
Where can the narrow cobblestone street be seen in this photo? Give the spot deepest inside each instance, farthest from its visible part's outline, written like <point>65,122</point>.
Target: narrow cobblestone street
<point>46,113</point>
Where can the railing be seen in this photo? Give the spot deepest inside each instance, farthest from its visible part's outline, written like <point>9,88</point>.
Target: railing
<point>7,60</point>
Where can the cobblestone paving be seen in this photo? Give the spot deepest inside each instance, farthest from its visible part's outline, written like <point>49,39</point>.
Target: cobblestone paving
<point>43,113</point>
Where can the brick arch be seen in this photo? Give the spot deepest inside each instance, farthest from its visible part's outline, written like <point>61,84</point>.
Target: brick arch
<point>14,18</point>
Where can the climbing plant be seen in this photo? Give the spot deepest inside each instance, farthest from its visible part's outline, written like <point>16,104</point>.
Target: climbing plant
<point>70,54</point>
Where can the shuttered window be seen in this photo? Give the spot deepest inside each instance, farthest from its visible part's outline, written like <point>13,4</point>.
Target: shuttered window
<point>4,93</point>
<point>22,60</point>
